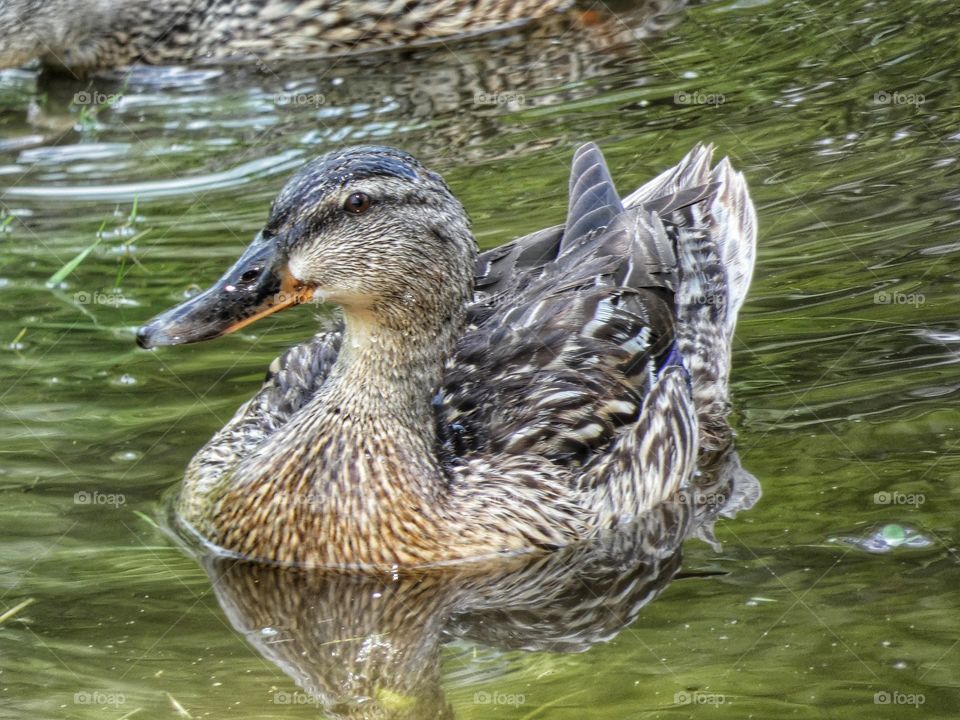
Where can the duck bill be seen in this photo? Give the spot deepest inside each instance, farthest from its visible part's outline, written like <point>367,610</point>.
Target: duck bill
<point>258,284</point>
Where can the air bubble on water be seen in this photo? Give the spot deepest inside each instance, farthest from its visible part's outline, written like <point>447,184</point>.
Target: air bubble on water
<point>125,456</point>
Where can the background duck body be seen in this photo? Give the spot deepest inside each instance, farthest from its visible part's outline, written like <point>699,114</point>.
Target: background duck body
<point>83,35</point>
<point>586,381</point>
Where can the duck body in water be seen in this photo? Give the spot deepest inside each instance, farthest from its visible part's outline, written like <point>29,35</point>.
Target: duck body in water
<point>470,405</point>
<point>86,35</point>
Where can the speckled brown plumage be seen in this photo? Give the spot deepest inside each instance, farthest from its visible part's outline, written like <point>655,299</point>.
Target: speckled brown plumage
<point>522,400</point>
<point>88,34</point>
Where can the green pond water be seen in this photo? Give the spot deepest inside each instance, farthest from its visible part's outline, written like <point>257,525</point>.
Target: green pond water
<point>836,596</point>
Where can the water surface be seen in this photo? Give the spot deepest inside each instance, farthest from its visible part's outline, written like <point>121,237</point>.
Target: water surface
<point>843,116</point>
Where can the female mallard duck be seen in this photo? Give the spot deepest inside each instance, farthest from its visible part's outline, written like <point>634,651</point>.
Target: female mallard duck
<point>469,406</point>
<point>82,35</point>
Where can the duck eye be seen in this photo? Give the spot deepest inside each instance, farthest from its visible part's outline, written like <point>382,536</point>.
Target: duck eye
<point>357,203</point>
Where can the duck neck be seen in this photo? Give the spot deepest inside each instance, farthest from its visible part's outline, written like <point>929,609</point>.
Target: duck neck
<point>390,365</point>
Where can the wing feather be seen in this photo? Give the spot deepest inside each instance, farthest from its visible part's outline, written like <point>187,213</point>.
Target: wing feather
<point>560,356</point>
<point>573,326</point>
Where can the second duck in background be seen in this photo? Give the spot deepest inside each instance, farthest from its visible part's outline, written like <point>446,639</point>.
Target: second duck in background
<point>84,35</point>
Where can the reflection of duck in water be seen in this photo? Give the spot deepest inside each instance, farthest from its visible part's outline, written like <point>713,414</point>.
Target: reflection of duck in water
<point>82,35</point>
<point>369,646</point>
<point>529,398</point>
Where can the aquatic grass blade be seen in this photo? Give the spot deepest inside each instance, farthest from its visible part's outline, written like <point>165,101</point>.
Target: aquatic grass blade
<point>60,275</point>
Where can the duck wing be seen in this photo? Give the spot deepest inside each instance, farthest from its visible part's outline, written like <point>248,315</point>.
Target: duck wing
<point>570,327</point>
<point>295,376</point>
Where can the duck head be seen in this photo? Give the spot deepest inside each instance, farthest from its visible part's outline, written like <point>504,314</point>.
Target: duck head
<point>367,228</point>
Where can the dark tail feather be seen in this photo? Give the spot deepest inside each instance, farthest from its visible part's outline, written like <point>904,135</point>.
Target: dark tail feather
<point>594,201</point>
